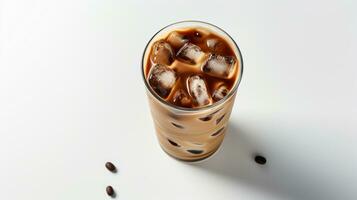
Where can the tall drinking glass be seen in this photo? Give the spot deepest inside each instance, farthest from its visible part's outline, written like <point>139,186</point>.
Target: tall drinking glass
<point>191,134</point>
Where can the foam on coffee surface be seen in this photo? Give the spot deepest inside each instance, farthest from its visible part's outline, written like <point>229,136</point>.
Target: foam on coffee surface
<point>191,68</point>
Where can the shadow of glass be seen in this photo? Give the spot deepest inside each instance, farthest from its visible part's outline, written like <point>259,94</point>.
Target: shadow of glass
<point>283,175</point>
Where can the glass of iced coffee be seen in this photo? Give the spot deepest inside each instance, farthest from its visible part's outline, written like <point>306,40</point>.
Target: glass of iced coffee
<point>191,70</point>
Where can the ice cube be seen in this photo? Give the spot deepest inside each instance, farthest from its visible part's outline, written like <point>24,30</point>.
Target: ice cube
<point>198,90</point>
<point>220,92</point>
<point>162,79</point>
<point>162,53</point>
<point>190,53</point>
<point>181,98</point>
<point>215,45</point>
<point>219,66</point>
<point>211,43</point>
<point>176,39</point>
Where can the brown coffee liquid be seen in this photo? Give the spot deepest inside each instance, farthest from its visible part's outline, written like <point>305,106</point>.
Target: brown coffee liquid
<point>210,45</point>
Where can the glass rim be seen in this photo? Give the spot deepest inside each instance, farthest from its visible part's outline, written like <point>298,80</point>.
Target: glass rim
<point>230,94</point>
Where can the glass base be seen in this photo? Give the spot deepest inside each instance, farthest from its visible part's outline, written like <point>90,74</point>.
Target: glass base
<point>199,160</point>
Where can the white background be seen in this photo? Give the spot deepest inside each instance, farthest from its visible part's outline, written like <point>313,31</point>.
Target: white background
<point>72,98</point>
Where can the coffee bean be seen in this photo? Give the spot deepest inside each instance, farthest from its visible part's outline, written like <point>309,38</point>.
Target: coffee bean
<point>177,125</point>
<point>110,167</point>
<point>220,119</point>
<point>110,191</point>
<point>173,143</point>
<point>218,132</point>
<point>260,160</point>
<point>207,118</point>
<point>193,151</point>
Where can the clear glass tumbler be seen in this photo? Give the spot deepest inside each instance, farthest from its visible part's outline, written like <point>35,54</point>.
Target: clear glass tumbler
<point>191,134</point>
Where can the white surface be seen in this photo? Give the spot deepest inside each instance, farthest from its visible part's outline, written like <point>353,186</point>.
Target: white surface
<point>71,98</point>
